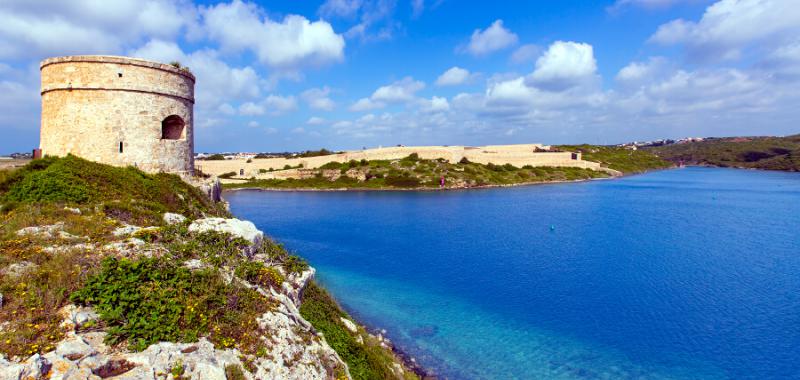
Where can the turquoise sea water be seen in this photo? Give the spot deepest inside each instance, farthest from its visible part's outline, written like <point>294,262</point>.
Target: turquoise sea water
<point>689,273</point>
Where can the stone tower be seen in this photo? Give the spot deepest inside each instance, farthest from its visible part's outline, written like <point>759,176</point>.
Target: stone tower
<point>119,111</point>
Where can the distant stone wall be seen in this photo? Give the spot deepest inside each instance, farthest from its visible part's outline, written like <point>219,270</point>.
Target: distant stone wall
<point>119,111</point>
<point>517,155</point>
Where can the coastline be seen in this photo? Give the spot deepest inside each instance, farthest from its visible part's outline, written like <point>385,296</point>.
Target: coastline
<point>420,189</point>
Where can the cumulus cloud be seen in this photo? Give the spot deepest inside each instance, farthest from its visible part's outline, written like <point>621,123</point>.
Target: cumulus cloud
<point>526,54</point>
<point>319,99</point>
<point>434,104</point>
<point>293,41</point>
<point>495,37</point>
<point>453,76</point>
<point>217,82</point>
<point>639,72</point>
<point>564,65</point>
<point>729,27</point>
<point>365,104</point>
<point>401,91</point>
<point>314,120</point>
<point>36,29</point>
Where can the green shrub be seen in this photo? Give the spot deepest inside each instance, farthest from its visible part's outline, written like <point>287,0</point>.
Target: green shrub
<point>148,300</point>
<point>227,175</point>
<point>262,171</point>
<point>215,157</point>
<point>367,361</point>
<point>257,273</point>
<point>74,180</point>
<point>402,181</point>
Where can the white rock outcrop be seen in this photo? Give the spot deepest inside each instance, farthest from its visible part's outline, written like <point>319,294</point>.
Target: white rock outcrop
<point>236,227</point>
<point>294,349</point>
<point>172,218</point>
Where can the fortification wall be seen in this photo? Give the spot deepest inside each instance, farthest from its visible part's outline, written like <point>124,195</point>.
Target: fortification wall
<point>119,111</point>
<point>517,155</point>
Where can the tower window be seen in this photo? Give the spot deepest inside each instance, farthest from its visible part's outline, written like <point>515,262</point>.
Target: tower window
<point>120,146</point>
<point>172,128</point>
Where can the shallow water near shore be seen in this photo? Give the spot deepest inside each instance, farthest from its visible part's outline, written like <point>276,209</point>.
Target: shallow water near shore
<point>687,273</point>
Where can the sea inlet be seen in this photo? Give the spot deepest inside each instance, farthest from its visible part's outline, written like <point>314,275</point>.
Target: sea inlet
<point>684,274</point>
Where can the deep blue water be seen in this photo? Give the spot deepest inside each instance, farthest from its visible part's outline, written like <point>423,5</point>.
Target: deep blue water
<point>687,273</point>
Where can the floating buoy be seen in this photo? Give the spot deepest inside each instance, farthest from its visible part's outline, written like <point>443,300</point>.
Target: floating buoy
<point>552,227</point>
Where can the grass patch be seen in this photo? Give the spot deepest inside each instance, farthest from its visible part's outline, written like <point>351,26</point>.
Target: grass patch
<point>617,158</point>
<point>365,361</point>
<point>127,193</point>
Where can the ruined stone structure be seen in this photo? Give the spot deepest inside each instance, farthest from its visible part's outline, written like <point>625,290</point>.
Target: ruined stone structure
<point>119,111</point>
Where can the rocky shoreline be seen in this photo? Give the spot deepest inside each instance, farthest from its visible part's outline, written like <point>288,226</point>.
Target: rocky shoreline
<point>296,351</point>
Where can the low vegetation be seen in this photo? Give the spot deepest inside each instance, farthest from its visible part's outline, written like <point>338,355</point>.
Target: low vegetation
<point>414,173</point>
<point>365,357</point>
<point>618,158</point>
<point>768,153</point>
<point>180,291</point>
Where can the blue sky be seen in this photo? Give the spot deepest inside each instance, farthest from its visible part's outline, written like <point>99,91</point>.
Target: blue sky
<point>344,74</point>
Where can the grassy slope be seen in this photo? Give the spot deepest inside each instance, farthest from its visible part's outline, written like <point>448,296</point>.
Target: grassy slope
<point>413,173</point>
<point>184,306</point>
<point>624,160</point>
<point>769,153</point>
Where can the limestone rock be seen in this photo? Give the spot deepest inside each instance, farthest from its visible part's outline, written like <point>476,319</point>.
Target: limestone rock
<point>42,231</point>
<point>18,269</point>
<point>126,230</point>
<point>172,218</point>
<point>349,325</point>
<point>76,211</point>
<point>240,228</point>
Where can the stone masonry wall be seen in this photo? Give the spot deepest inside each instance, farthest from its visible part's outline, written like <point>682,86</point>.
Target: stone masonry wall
<point>91,104</point>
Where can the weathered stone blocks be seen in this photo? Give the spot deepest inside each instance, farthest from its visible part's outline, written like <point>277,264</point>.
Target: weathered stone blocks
<point>112,110</point>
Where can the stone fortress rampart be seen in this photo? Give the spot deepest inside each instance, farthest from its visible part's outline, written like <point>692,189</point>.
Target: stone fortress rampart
<point>119,111</point>
<point>518,155</point>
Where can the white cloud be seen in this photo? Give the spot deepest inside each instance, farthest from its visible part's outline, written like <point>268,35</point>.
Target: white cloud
<point>253,124</point>
<point>564,65</point>
<point>318,98</point>
<point>397,92</point>
<point>495,37</point>
<point>252,109</point>
<point>729,27</point>
<point>216,81</point>
<point>365,104</point>
<point>280,104</point>
<point>526,54</point>
<point>453,76</point>
<point>314,120</point>
<point>37,29</point>
<point>639,72</point>
<point>434,104</point>
<point>294,41</point>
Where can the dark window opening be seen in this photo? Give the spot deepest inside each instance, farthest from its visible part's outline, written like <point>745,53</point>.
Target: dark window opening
<point>120,75</point>
<point>172,128</point>
<point>120,146</point>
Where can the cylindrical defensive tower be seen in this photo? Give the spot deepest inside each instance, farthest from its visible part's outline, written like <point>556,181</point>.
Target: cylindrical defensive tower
<point>119,111</point>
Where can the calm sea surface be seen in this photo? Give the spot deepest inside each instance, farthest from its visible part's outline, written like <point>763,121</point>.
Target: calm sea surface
<point>688,273</point>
